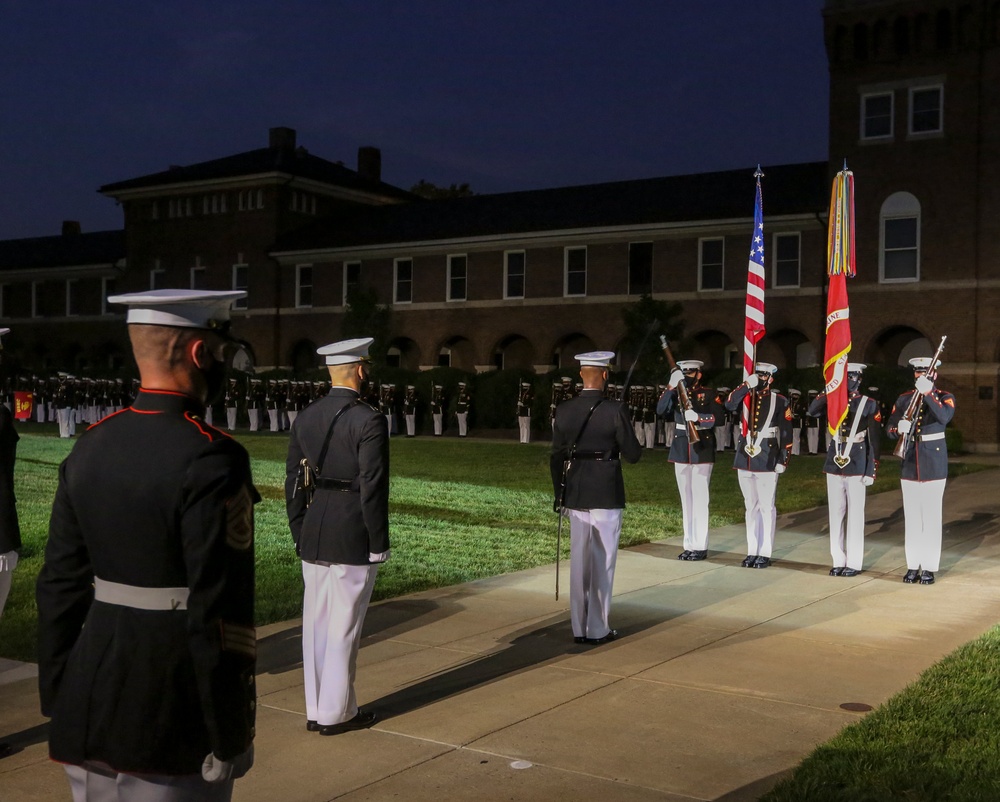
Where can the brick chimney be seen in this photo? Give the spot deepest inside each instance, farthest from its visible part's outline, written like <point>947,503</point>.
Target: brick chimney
<point>370,163</point>
<point>281,138</point>
<point>70,228</point>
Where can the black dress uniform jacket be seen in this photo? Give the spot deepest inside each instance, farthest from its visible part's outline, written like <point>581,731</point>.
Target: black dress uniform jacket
<point>926,457</point>
<point>864,455</point>
<point>773,449</point>
<point>345,523</point>
<point>706,402</point>
<point>594,478</point>
<point>10,531</point>
<point>150,497</point>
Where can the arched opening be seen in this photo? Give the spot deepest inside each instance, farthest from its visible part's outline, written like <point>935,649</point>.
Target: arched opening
<point>403,353</point>
<point>788,348</point>
<point>457,352</point>
<point>514,352</point>
<point>303,359</point>
<point>897,345</point>
<point>569,346</point>
<point>715,349</point>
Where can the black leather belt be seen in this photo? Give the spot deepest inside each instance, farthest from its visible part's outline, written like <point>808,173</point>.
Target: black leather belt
<point>341,485</point>
<point>596,455</point>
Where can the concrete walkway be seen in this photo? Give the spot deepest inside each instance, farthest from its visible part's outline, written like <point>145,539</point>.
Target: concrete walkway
<point>723,680</point>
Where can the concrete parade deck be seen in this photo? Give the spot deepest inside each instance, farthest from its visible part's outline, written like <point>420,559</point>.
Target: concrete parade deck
<point>722,680</point>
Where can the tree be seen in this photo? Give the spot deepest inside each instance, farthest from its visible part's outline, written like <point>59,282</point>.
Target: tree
<point>366,317</point>
<point>425,189</point>
<point>645,321</point>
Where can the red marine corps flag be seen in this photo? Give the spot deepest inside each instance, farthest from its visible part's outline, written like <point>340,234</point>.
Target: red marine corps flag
<point>840,259</point>
<point>753,326</point>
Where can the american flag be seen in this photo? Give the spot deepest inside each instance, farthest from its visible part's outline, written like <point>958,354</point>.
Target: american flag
<point>753,327</point>
<point>841,264</point>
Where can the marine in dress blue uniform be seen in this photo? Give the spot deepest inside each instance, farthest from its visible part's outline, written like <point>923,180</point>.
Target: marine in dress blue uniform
<point>342,536</point>
<point>924,471</point>
<point>693,461</point>
<point>761,456</point>
<point>591,436</point>
<point>146,638</point>
<point>851,461</point>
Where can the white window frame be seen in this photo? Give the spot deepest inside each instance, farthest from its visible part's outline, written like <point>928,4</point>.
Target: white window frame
<point>566,253</point>
<point>506,272</point>
<point>241,303</point>
<point>196,271</point>
<point>909,115</point>
<point>72,287</point>
<point>299,286</point>
<point>899,206</point>
<point>892,117</point>
<point>156,271</point>
<point>701,265</point>
<point>774,257</point>
<point>347,266</point>
<point>395,280</point>
<point>465,278</point>
<point>105,292</point>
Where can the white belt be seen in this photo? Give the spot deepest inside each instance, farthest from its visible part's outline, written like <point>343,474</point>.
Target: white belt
<point>140,598</point>
<point>770,431</point>
<point>923,438</point>
<point>858,438</point>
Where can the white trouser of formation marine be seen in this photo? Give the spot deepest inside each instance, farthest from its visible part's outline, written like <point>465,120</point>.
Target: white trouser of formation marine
<point>333,609</point>
<point>254,416</point>
<point>463,423</point>
<point>922,509</point>
<point>759,490</point>
<point>846,497</point>
<point>438,423</point>
<point>524,428</point>
<point>649,431</point>
<point>692,485</point>
<point>593,554</point>
<point>231,418</point>
<point>812,440</point>
<point>411,424</point>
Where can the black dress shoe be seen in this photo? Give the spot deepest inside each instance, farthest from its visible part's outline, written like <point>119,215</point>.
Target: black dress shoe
<point>749,560</point>
<point>311,725</point>
<point>612,635</point>
<point>362,721</point>
<point>836,571</point>
<point>579,639</point>
<point>927,578</point>
<point>696,555</point>
<point>911,576</point>
<point>684,555</point>
<point>850,572</point>
<point>762,562</point>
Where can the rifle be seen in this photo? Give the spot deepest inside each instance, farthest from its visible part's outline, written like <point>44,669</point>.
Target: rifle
<point>682,393</point>
<point>913,408</point>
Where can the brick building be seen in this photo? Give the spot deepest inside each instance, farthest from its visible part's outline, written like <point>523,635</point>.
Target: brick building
<point>527,279</point>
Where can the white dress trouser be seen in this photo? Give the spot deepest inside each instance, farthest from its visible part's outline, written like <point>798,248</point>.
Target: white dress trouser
<point>7,565</point>
<point>796,442</point>
<point>640,432</point>
<point>463,423</point>
<point>105,785</point>
<point>411,424</point>
<point>922,509</point>
<point>274,416</point>
<point>812,440</point>
<point>649,430</point>
<point>333,610</point>
<point>759,490</point>
<point>524,427</point>
<point>593,553</point>
<point>668,433</point>
<point>254,416</point>
<point>846,498</point>
<point>438,423</point>
<point>692,484</point>
<point>231,418</point>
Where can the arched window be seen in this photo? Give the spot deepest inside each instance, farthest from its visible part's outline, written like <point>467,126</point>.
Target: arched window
<point>899,238</point>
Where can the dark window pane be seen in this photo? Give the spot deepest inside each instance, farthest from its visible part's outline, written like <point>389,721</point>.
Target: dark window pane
<point>901,233</point>
<point>640,268</point>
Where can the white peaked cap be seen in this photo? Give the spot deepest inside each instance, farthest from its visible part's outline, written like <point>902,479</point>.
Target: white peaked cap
<point>346,351</point>
<point>4,331</point>
<point>690,364</point>
<point>923,362</point>
<point>766,367</point>
<point>856,367</point>
<point>597,359</point>
<point>189,309</point>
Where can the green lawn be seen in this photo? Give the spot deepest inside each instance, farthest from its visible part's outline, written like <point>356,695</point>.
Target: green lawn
<point>459,510</point>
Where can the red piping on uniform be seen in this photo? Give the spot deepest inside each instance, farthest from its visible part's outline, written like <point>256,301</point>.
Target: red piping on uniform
<point>108,417</point>
<point>197,423</point>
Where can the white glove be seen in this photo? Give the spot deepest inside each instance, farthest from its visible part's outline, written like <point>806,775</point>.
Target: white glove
<point>381,557</point>
<point>752,380</point>
<point>675,379</point>
<point>779,468</point>
<point>214,770</point>
<point>904,426</point>
<point>691,415</point>
<point>8,561</point>
<point>867,481</point>
<point>923,385</point>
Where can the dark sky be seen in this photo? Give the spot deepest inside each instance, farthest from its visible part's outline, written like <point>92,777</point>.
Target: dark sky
<point>501,94</point>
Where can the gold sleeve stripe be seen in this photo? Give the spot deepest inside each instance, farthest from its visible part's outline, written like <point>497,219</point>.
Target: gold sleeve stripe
<point>239,521</point>
<point>239,639</point>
